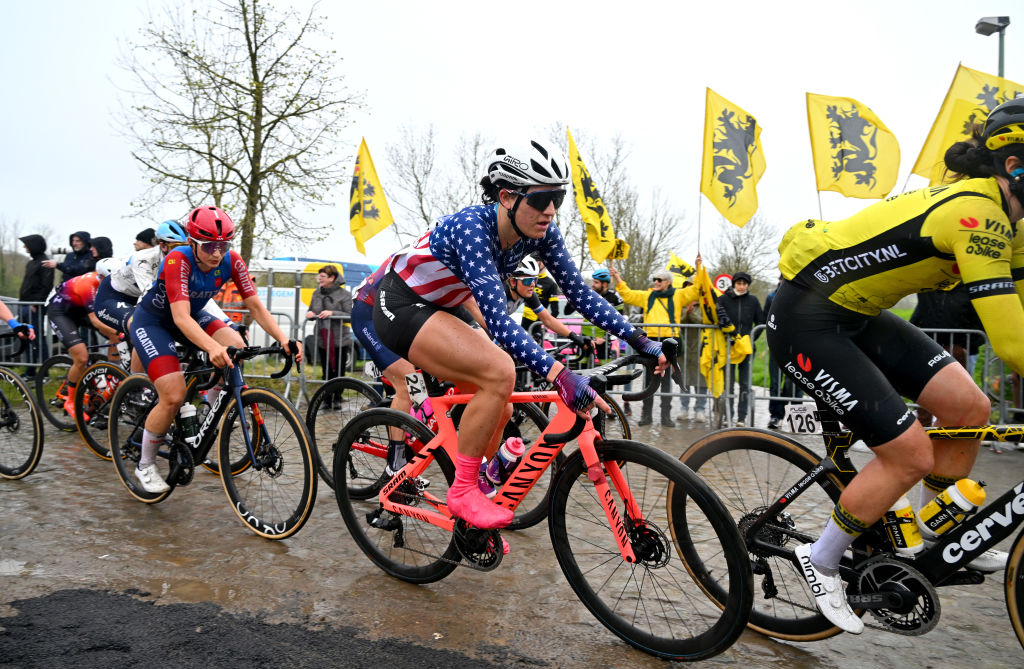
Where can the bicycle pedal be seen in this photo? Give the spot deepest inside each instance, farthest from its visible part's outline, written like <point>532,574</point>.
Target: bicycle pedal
<point>389,522</point>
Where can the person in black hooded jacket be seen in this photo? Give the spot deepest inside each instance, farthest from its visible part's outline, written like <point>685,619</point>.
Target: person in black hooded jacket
<point>35,287</point>
<point>79,261</point>
<point>745,312</point>
<point>102,247</point>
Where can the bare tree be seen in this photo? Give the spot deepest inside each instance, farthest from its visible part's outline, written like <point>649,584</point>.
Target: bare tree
<point>235,107</point>
<point>428,185</point>
<point>751,249</point>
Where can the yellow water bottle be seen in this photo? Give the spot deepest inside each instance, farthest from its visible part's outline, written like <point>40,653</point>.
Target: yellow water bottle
<point>902,529</point>
<point>950,507</point>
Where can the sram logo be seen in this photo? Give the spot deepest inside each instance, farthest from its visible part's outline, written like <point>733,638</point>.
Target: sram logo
<point>972,539</point>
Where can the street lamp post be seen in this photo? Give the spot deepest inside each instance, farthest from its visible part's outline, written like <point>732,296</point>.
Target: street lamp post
<point>991,24</point>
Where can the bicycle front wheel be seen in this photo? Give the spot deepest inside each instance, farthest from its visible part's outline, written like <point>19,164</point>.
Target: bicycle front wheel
<point>134,398</point>
<point>749,470</point>
<point>52,390</point>
<point>273,496</point>
<point>1014,587</point>
<point>92,404</point>
<point>652,604</point>
<point>403,546</point>
<point>331,408</point>
<point>21,427</point>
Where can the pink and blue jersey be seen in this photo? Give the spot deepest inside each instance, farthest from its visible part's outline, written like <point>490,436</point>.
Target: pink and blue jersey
<point>180,278</point>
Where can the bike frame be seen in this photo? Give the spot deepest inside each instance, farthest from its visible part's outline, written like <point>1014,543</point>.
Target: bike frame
<point>954,549</point>
<point>530,469</point>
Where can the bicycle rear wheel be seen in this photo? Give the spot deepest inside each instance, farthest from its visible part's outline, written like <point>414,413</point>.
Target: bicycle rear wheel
<point>1013,585</point>
<point>134,398</point>
<point>274,496</point>
<point>92,404</point>
<point>330,409</point>
<point>749,470</point>
<point>21,427</point>
<point>52,390</point>
<point>405,547</point>
<point>652,604</point>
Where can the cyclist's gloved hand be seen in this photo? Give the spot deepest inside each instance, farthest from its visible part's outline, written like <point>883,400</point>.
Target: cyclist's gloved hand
<point>640,343</point>
<point>581,342</point>
<point>724,322</point>
<point>19,328</point>
<point>574,390</point>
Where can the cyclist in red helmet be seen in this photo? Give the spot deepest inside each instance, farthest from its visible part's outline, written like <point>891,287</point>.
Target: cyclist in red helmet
<point>174,310</point>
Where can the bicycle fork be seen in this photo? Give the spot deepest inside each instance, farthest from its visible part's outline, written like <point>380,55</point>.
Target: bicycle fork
<point>596,473</point>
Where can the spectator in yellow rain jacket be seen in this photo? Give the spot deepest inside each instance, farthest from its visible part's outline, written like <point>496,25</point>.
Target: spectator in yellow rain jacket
<point>662,304</point>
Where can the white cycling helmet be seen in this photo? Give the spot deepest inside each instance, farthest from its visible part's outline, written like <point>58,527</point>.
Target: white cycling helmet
<point>104,266</point>
<point>531,164</point>
<point>527,267</point>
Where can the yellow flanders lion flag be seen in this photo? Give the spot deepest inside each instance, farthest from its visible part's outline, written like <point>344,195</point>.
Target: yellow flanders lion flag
<point>733,160</point>
<point>713,344</point>
<point>368,210</point>
<point>854,153</point>
<point>600,236</point>
<point>971,96</point>
<point>681,270</point>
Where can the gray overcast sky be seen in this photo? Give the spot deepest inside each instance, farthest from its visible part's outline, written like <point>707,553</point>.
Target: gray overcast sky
<point>635,69</point>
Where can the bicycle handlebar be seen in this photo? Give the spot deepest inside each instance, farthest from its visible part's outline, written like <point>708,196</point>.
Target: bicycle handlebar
<point>22,342</point>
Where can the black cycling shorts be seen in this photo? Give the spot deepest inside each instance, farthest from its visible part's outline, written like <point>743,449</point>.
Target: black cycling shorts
<point>66,319</point>
<point>860,367</point>
<point>399,313</point>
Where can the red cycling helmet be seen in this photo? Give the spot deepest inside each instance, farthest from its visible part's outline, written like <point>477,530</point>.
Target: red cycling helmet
<point>210,224</point>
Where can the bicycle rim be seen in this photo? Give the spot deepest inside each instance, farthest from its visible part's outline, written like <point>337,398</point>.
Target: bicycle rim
<point>616,425</point>
<point>1014,587</point>
<point>274,496</point>
<point>749,470</point>
<point>21,428</point>
<point>652,604</point>
<point>406,548</point>
<point>92,404</point>
<point>134,398</point>
<point>51,385</point>
<point>336,403</point>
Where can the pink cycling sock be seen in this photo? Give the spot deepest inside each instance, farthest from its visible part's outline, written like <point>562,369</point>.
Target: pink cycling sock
<point>467,502</point>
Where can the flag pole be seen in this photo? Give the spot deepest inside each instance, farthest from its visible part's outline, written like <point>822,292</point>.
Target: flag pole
<point>821,216</point>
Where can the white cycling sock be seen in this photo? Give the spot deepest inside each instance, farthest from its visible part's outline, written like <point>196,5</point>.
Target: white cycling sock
<point>828,550</point>
<point>150,445</point>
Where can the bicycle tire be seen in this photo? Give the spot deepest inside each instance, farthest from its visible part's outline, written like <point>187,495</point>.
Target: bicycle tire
<point>651,604</point>
<point>92,398</point>
<point>20,450</point>
<point>616,425</point>
<point>1013,586</point>
<point>273,497</point>
<point>427,553</point>
<point>50,380</point>
<point>332,406</point>
<point>134,398</point>
<point>750,469</point>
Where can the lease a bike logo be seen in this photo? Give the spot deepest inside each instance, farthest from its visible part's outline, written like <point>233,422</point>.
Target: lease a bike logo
<point>803,361</point>
<point>969,222</point>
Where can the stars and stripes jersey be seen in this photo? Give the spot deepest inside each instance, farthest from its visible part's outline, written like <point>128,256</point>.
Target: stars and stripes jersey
<point>180,279</point>
<point>462,257</point>
<point>923,240</point>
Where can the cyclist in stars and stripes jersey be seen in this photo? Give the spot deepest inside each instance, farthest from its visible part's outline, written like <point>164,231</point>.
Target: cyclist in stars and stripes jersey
<point>420,314</point>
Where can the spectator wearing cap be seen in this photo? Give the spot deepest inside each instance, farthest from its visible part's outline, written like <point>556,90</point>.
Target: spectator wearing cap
<point>664,305</point>
<point>745,312</point>
<point>145,239</point>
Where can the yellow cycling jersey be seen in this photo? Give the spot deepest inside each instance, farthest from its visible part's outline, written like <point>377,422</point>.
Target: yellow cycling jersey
<point>927,239</point>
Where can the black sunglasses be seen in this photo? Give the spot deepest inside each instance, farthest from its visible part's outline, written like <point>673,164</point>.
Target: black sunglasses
<point>540,199</point>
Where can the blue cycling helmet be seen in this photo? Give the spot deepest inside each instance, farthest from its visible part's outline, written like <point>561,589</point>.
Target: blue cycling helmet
<point>601,274</point>
<point>171,231</point>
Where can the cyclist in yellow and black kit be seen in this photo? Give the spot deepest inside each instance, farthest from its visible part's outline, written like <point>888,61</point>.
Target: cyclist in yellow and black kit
<point>829,330</point>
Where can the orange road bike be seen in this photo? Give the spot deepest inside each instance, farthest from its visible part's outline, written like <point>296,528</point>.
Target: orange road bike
<point>615,509</point>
